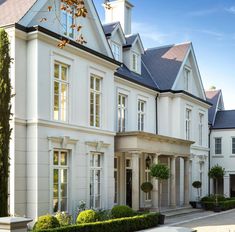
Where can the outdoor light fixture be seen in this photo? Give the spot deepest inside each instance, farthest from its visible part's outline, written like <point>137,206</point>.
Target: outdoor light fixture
<point>148,161</point>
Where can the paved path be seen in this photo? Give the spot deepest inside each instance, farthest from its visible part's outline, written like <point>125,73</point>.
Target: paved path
<point>205,221</point>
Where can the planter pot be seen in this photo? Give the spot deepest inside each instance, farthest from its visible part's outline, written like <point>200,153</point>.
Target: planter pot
<point>161,219</point>
<point>193,204</point>
<point>217,209</point>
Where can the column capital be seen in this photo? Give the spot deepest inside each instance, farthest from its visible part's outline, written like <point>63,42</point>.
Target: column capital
<point>136,153</point>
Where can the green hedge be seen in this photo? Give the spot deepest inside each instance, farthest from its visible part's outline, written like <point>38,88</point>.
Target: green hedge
<point>225,205</point>
<point>121,224</point>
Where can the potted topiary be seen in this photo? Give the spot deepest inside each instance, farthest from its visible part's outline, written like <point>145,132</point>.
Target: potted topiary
<point>146,187</point>
<point>161,172</point>
<point>216,173</point>
<point>196,204</point>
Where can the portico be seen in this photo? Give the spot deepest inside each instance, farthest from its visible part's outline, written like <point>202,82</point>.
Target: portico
<point>135,152</point>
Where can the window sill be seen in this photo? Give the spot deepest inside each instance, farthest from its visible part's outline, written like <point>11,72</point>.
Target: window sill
<point>217,156</point>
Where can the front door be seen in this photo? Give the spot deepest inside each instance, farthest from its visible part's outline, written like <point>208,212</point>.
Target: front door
<point>129,187</point>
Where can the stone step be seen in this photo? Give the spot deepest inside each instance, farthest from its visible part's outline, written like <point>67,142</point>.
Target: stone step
<point>173,229</point>
<point>180,211</point>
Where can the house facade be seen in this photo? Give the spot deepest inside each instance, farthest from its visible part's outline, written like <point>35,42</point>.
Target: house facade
<point>90,120</point>
<point>222,142</point>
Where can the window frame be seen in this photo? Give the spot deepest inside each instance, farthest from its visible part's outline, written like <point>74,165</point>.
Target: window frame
<point>59,167</point>
<point>116,49</point>
<point>141,115</point>
<point>187,78</point>
<point>233,145</point>
<point>95,93</point>
<point>188,119</point>
<point>201,128</point>
<point>100,169</point>
<point>123,110</point>
<point>135,63</point>
<point>66,27</point>
<point>218,151</point>
<point>61,82</point>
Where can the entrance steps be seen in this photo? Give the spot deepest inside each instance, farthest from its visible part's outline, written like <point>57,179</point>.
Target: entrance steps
<point>175,212</point>
<point>169,213</point>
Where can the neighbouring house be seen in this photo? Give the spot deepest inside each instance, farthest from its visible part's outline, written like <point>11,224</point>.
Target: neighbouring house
<point>89,120</point>
<point>222,141</point>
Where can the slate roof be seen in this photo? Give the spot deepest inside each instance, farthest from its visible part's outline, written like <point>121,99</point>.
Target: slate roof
<point>165,62</point>
<point>130,39</point>
<point>213,97</point>
<point>225,119</point>
<point>109,28</point>
<point>13,10</point>
<point>144,79</point>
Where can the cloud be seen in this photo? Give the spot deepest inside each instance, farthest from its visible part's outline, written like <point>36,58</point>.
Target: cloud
<point>203,12</point>
<point>150,32</point>
<point>216,34</point>
<point>231,9</point>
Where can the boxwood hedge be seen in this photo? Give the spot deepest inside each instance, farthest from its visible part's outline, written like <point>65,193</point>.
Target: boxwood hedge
<point>115,225</point>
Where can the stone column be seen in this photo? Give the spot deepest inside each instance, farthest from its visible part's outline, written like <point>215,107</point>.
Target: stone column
<point>135,182</point>
<point>173,183</point>
<point>16,224</point>
<point>186,181</point>
<point>227,186</point>
<point>155,186</point>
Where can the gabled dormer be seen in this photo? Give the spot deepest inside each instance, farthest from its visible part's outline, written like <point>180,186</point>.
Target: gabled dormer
<point>133,50</point>
<point>116,39</point>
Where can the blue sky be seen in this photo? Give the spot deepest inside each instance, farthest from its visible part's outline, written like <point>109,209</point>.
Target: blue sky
<point>209,24</point>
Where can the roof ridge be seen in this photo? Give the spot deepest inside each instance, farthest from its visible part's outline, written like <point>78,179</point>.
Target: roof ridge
<point>226,110</point>
<point>107,24</point>
<point>169,45</point>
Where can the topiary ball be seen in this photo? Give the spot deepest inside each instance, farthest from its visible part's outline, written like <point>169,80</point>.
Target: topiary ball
<point>120,211</point>
<point>146,187</point>
<point>87,216</point>
<point>197,184</point>
<point>46,222</point>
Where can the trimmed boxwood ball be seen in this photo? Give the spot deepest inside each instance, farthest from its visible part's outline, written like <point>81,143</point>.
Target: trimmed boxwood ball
<point>120,211</point>
<point>46,222</point>
<point>87,216</point>
<point>146,187</point>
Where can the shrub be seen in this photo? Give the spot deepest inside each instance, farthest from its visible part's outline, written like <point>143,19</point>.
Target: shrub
<point>46,222</point>
<point>63,218</point>
<point>212,198</point>
<point>120,211</point>
<point>86,216</point>
<point>103,215</point>
<point>115,225</point>
<point>146,187</point>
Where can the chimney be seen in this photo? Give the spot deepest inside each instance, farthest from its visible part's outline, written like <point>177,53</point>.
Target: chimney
<point>119,11</point>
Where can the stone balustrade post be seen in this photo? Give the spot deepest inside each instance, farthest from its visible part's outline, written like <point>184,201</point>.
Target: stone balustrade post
<point>14,224</point>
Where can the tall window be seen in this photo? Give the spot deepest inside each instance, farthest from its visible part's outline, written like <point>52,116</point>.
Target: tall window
<point>116,51</point>
<point>60,181</point>
<point>201,118</point>
<point>95,100</point>
<point>201,167</point>
<point>116,180</point>
<point>122,112</point>
<point>148,163</point>
<point>233,145</point>
<point>135,62</point>
<point>186,79</point>
<point>60,91</point>
<point>218,146</point>
<point>188,124</point>
<point>141,114</point>
<point>95,180</point>
<point>67,20</point>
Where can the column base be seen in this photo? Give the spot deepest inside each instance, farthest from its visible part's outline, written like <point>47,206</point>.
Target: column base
<point>172,206</point>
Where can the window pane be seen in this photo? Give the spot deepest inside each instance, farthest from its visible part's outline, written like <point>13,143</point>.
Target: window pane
<point>56,158</point>
<point>64,175</point>
<point>70,22</point>
<point>55,176</point>
<point>92,82</point>
<point>56,191</point>
<point>64,205</point>
<point>64,190</point>
<point>64,22</point>
<point>56,71</point>
<point>64,73</point>
<point>55,205</point>
<point>97,84</point>
<point>63,158</point>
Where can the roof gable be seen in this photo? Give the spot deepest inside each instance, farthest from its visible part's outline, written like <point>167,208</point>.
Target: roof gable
<point>132,41</point>
<point>164,63</point>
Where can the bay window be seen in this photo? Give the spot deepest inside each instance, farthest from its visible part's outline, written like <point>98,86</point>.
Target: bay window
<point>60,91</point>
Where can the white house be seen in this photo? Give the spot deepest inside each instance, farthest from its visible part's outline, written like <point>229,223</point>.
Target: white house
<point>222,141</point>
<point>89,120</point>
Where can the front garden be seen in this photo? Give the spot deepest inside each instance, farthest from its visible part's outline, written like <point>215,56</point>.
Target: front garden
<point>120,218</point>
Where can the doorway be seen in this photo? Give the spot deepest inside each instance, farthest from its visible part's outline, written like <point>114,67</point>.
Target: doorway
<point>232,185</point>
<point>129,187</point>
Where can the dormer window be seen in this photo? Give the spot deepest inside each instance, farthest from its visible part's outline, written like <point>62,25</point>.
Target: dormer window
<point>116,49</point>
<point>67,20</point>
<point>135,62</point>
<point>187,73</point>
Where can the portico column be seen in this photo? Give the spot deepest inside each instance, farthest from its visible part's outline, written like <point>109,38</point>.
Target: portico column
<point>135,181</point>
<point>227,186</point>
<point>173,183</point>
<point>155,186</point>
<point>186,181</point>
